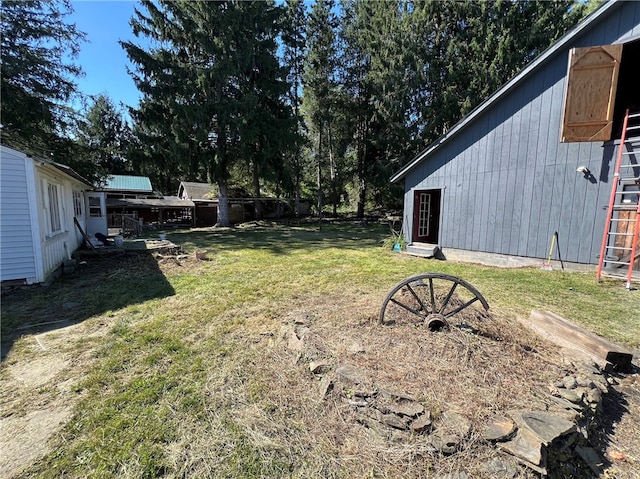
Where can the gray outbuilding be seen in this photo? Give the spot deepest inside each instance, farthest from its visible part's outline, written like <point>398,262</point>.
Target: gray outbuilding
<point>535,158</point>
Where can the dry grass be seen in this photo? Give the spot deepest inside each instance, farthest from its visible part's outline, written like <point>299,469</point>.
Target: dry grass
<point>477,375</point>
<point>192,374</point>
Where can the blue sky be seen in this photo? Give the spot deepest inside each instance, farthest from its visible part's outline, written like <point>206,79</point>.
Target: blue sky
<point>101,57</point>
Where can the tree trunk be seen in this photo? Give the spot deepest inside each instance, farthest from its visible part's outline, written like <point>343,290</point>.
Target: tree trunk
<point>257,203</point>
<point>298,213</point>
<point>362,179</point>
<point>297,193</point>
<point>320,196</point>
<point>223,204</point>
<point>362,196</point>
<point>334,175</point>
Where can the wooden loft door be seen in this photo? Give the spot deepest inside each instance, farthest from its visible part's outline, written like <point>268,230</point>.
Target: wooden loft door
<point>592,80</point>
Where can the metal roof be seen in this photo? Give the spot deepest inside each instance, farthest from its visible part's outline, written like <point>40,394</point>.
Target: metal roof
<point>600,12</point>
<point>128,183</point>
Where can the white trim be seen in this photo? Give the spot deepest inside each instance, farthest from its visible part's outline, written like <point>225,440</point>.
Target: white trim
<point>534,65</point>
<point>34,218</point>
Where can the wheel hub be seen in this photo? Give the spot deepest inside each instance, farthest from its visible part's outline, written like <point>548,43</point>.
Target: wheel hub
<point>436,322</point>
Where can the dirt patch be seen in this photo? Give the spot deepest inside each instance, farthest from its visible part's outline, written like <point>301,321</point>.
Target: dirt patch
<point>53,345</point>
<point>38,391</point>
<point>24,438</point>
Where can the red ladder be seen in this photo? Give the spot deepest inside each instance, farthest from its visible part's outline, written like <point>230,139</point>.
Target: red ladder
<point>620,240</point>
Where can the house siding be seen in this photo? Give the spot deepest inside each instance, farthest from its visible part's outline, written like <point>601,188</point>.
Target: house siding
<point>29,251</point>
<point>57,247</point>
<point>509,183</point>
<point>17,253</point>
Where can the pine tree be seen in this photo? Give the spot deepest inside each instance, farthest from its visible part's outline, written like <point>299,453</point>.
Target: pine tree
<point>211,82</point>
<point>377,79</point>
<point>106,136</point>
<point>472,48</point>
<point>293,39</point>
<point>319,86</point>
<point>38,73</point>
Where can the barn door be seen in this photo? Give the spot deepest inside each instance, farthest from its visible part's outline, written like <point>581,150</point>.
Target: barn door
<point>426,216</point>
<point>592,80</point>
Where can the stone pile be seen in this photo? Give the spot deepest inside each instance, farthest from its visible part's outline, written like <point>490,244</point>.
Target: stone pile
<point>554,442</point>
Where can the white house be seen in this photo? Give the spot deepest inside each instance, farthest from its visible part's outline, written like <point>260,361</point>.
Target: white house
<point>40,203</point>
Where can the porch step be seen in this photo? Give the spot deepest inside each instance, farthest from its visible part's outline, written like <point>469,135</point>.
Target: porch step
<point>424,250</point>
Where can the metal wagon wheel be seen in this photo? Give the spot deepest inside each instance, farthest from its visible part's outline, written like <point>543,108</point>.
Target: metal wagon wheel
<point>431,298</point>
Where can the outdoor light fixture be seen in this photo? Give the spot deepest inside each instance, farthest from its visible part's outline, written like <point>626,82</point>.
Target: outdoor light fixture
<point>584,170</point>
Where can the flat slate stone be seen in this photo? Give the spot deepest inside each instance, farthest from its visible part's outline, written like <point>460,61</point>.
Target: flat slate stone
<point>391,420</point>
<point>422,423</point>
<point>498,468</point>
<point>528,447</point>
<point>403,407</point>
<point>455,423</point>
<point>545,426</point>
<point>319,367</point>
<point>498,429</point>
<point>569,382</point>
<point>394,421</point>
<point>445,443</point>
<point>570,395</point>
<point>594,396</point>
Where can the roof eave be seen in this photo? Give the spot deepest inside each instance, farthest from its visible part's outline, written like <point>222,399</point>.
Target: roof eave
<point>67,170</point>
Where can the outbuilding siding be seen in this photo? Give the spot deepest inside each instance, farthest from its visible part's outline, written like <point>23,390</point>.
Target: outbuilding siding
<point>509,183</point>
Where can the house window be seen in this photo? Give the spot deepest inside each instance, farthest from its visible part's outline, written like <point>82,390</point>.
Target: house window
<point>55,223</point>
<point>77,203</point>
<point>95,209</point>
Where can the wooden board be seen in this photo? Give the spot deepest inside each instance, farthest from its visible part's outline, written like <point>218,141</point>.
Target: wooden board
<point>608,355</point>
<point>87,240</point>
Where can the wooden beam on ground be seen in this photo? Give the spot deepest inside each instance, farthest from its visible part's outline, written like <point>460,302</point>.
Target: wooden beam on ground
<point>608,355</point>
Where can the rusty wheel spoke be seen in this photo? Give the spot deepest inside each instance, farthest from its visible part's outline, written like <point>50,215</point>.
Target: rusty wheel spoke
<point>416,297</point>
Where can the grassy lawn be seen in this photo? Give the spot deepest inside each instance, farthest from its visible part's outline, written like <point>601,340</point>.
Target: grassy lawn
<point>190,378</point>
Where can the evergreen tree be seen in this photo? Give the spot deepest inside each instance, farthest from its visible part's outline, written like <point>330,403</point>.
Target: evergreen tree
<point>266,119</point>
<point>469,49</point>
<point>293,39</point>
<point>319,87</point>
<point>106,136</point>
<point>211,79</point>
<point>377,78</point>
<point>38,79</point>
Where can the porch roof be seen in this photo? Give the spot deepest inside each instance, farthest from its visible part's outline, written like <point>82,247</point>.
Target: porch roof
<point>171,202</point>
